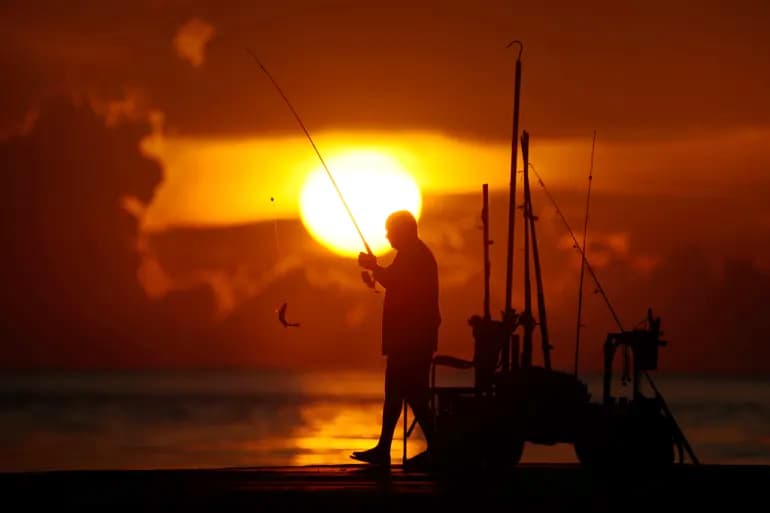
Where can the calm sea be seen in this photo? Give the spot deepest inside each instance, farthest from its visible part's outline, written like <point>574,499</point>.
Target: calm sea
<point>233,419</point>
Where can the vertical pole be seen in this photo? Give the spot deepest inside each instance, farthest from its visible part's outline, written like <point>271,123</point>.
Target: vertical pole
<point>610,345</point>
<point>403,457</point>
<point>541,311</point>
<point>515,351</point>
<point>485,222</point>
<point>529,320</point>
<point>512,188</point>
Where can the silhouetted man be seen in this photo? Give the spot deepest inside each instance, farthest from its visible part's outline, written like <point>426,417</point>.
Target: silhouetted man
<point>410,321</point>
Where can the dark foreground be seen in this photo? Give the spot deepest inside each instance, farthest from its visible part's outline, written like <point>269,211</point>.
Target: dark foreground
<point>541,488</point>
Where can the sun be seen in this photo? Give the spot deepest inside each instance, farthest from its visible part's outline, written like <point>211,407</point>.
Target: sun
<point>373,184</point>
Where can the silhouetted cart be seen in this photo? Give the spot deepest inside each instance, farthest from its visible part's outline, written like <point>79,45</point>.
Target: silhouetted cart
<point>512,401</point>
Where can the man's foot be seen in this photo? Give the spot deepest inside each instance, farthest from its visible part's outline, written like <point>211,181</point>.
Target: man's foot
<point>375,456</point>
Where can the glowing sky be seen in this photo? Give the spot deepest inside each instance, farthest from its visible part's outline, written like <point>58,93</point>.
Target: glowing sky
<point>677,92</point>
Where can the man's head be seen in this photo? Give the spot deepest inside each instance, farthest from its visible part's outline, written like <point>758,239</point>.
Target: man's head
<point>402,229</point>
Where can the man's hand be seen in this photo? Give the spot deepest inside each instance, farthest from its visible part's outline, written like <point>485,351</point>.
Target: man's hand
<point>367,261</point>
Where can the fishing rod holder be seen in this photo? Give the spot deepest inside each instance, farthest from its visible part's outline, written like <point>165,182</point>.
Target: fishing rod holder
<point>644,345</point>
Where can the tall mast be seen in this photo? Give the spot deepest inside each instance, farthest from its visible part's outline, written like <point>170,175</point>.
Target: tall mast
<point>512,188</point>
<point>528,319</point>
<point>541,313</point>
<point>485,223</point>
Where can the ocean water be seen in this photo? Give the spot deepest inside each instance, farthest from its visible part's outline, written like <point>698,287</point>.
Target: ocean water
<point>63,421</point>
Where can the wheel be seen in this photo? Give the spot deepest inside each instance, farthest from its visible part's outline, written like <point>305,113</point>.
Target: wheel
<point>592,452</point>
<point>626,442</point>
<point>592,439</point>
<point>505,454</point>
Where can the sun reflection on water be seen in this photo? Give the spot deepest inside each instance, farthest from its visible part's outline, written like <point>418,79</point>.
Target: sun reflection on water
<point>331,431</point>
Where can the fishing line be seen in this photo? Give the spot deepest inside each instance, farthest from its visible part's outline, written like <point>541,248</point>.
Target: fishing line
<point>275,225</point>
<point>315,148</point>
<point>281,310</point>
<point>368,278</point>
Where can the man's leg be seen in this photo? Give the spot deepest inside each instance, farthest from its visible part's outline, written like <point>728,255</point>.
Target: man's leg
<point>391,411</point>
<point>418,397</point>
<point>424,415</point>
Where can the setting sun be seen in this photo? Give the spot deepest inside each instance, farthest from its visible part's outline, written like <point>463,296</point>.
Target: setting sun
<point>373,184</point>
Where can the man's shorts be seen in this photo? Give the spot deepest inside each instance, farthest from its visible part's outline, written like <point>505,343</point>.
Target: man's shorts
<point>408,377</point>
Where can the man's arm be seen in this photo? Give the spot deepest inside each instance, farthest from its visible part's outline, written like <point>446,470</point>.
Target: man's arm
<point>385,275</point>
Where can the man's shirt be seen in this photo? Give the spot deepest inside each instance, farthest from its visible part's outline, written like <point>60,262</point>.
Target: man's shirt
<point>410,317</point>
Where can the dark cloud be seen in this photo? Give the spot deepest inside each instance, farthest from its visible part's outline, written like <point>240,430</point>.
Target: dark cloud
<point>628,70</point>
<point>713,315</point>
<point>70,256</point>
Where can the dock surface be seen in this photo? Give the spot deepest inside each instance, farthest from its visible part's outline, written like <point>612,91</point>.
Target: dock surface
<point>531,487</point>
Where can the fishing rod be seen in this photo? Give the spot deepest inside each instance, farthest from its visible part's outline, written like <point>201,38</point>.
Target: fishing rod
<point>579,248</point>
<point>664,406</point>
<point>583,257</point>
<point>625,376</point>
<point>587,265</point>
<point>368,279</point>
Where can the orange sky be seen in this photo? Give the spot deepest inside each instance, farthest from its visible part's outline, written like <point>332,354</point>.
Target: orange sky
<point>641,70</point>
<point>221,181</point>
<point>677,94</point>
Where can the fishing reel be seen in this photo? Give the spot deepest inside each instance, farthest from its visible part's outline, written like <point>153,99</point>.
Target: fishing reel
<point>368,278</point>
